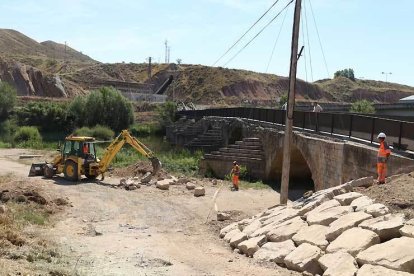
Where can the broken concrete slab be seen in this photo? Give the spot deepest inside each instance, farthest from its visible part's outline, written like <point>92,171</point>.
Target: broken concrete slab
<point>408,229</point>
<point>395,254</point>
<point>327,216</point>
<point>338,264</point>
<point>377,270</point>
<point>377,209</point>
<point>387,227</point>
<point>229,235</point>
<point>314,235</point>
<point>360,203</point>
<point>304,258</point>
<point>228,228</point>
<point>286,230</point>
<point>249,247</point>
<point>344,223</point>
<point>280,216</point>
<point>313,202</point>
<point>362,182</point>
<point>199,191</point>
<point>324,206</point>
<point>237,238</point>
<point>346,199</point>
<point>275,251</point>
<point>353,241</point>
<point>164,184</point>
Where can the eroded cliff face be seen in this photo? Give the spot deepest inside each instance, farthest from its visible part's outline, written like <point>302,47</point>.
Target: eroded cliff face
<point>30,81</point>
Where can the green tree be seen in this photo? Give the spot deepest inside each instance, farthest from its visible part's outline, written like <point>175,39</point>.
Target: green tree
<point>105,106</point>
<point>283,99</point>
<point>346,73</point>
<point>7,99</point>
<point>167,113</point>
<point>362,106</point>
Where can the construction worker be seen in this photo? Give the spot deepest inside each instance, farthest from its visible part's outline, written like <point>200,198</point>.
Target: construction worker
<point>384,153</point>
<point>235,173</point>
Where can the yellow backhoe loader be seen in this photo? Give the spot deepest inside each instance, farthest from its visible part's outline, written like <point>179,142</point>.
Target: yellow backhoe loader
<point>78,157</point>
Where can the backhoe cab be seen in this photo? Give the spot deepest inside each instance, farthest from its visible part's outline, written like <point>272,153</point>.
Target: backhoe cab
<point>78,157</point>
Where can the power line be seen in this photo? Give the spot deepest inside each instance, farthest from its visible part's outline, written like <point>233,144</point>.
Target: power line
<point>277,39</point>
<point>250,41</point>
<point>251,27</point>
<point>304,54</point>
<point>319,38</point>
<point>306,25</point>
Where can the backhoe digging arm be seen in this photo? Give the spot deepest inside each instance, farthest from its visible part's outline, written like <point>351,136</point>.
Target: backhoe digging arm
<point>118,143</point>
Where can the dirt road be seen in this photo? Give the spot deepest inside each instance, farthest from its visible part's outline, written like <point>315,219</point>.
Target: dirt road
<point>146,231</point>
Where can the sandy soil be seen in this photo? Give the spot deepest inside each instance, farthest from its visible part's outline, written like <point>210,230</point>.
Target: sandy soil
<point>397,194</point>
<point>146,231</point>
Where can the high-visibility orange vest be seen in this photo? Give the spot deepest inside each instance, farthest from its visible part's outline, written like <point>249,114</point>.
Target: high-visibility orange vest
<point>383,152</point>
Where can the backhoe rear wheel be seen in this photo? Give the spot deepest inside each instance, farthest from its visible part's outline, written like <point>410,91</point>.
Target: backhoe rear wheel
<point>71,170</point>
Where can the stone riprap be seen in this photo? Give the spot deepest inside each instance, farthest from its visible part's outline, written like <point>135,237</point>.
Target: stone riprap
<point>335,231</point>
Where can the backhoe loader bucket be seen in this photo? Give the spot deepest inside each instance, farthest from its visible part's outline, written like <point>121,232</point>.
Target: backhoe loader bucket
<point>36,169</point>
<point>156,165</point>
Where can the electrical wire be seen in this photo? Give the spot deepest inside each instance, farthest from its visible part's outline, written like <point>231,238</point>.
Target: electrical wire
<point>251,40</point>
<point>304,53</point>
<point>277,39</point>
<point>319,38</point>
<point>251,27</point>
<point>306,26</point>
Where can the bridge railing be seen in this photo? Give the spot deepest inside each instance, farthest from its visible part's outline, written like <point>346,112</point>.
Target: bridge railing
<point>400,134</point>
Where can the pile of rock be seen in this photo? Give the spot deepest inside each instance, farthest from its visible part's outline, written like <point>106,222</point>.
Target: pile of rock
<point>134,183</point>
<point>332,232</point>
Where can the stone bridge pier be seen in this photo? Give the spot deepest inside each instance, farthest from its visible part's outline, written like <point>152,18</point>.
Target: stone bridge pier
<point>326,160</point>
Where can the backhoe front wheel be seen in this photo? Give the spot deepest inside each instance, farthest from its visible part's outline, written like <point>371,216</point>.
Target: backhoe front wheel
<point>71,170</point>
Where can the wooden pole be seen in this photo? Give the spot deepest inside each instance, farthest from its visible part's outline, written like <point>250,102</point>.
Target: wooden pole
<point>290,106</point>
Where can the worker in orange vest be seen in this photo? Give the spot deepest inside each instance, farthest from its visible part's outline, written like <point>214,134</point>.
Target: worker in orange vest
<point>384,153</point>
<point>235,173</point>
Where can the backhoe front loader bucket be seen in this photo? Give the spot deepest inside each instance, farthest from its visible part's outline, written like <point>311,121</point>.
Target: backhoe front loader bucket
<point>36,169</point>
<point>156,165</point>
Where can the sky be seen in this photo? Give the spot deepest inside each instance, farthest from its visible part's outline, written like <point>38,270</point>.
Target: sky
<point>369,36</point>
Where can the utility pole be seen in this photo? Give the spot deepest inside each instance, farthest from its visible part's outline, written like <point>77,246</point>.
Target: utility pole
<point>166,51</point>
<point>386,75</point>
<point>287,143</point>
<point>149,67</point>
<point>169,50</point>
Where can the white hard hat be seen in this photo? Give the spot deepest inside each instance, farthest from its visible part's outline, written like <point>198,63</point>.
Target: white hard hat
<point>381,135</point>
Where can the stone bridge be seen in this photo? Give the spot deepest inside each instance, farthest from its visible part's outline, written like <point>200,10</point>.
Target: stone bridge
<point>325,160</point>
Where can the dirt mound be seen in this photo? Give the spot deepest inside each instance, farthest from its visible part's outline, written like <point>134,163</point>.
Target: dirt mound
<point>397,194</point>
<point>19,192</point>
<point>138,169</point>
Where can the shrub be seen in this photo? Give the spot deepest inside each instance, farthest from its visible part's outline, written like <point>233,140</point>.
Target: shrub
<point>143,130</point>
<point>7,128</point>
<point>27,134</point>
<point>167,113</point>
<point>98,131</point>
<point>7,99</point>
<point>346,73</point>
<point>363,106</point>
<point>283,99</point>
<point>45,115</point>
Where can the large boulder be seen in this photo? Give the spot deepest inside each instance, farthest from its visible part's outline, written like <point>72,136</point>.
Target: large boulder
<point>231,234</point>
<point>346,199</point>
<point>408,229</point>
<point>286,230</point>
<point>275,251</point>
<point>314,234</point>
<point>228,228</point>
<point>338,264</point>
<point>353,241</point>
<point>361,203</point>
<point>377,270</point>
<point>237,238</point>
<point>395,254</point>
<point>377,209</point>
<point>324,206</point>
<point>304,259</point>
<point>387,227</point>
<point>327,216</point>
<point>252,227</point>
<point>362,182</point>
<point>249,247</point>
<point>164,184</point>
<point>344,223</point>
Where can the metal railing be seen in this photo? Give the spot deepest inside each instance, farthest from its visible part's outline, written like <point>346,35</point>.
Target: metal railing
<point>400,134</point>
